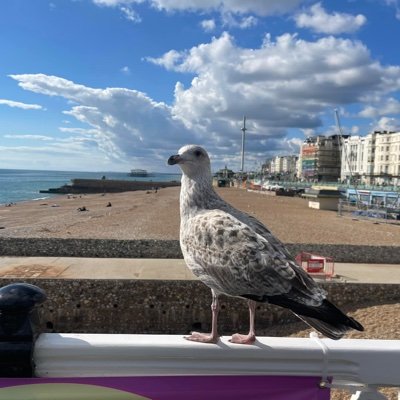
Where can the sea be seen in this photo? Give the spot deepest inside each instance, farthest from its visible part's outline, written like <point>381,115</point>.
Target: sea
<point>18,185</point>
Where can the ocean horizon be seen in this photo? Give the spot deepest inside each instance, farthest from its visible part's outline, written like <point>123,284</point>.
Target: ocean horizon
<point>17,185</point>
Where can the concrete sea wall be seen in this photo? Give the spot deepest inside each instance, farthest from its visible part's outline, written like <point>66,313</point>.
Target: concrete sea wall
<point>108,186</point>
<point>169,307</point>
<point>31,247</point>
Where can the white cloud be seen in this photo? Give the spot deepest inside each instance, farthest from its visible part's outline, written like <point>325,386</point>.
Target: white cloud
<point>123,123</point>
<point>248,22</point>
<point>258,7</point>
<point>396,5</point>
<point>130,14</point>
<point>126,70</point>
<point>80,131</point>
<point>29,137</point>
<point>17,104</point>
<point>110,3</point>
<point>369,112</point>
<point>48,152</point>
<point>208,25</point>
<point>58,156</point>
<point>125,6</point>
<point>169,60</point>
<point>242,22</point>
<point>286,83</point>
<point>53,86</point>
<point>317,19</point>
<point>387,124</point>
<point>234,13</point>
<point>390,106</point>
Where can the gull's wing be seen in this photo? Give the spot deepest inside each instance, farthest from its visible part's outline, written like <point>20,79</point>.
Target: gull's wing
<point>261,230</point>
<point>232,258</point>
<point>253,223</point>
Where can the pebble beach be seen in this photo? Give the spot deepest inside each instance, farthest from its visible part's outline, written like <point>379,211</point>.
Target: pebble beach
<point>155,215</point>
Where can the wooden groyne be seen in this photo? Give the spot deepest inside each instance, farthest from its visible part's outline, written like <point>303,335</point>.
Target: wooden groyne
<point>79,186</point>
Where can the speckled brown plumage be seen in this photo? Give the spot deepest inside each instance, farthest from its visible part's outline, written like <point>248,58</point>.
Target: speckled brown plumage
<point>235,254</point>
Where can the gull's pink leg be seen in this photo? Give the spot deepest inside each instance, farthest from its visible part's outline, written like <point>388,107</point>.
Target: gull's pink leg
<point>213,336</point>
<point>251,337</point>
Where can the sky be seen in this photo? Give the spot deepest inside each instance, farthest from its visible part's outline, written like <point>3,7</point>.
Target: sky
<point>111,85</point>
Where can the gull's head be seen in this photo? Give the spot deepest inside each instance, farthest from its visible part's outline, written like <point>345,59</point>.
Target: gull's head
<point>193,161</point>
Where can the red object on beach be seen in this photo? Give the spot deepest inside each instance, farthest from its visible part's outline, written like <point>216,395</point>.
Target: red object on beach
<point>317,265</point>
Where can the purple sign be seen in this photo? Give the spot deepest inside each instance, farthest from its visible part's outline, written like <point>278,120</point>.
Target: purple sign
<point>165,388</point>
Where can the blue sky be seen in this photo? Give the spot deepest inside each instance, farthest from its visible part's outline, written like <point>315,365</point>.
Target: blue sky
<point>118,84</point>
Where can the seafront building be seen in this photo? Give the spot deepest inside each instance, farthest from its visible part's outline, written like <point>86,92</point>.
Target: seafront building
<point>289,165</point>
<point>281,166</point>
<point>320,159</point>
<point>372,159</point>
<point>358,153</point>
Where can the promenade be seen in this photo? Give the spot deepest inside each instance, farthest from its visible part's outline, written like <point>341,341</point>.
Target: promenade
<point>159,269</point>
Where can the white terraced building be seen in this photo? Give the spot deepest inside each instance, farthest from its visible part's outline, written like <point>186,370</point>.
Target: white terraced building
<point>372,159</point>
<point>289,164</point>
<point>284,165</point>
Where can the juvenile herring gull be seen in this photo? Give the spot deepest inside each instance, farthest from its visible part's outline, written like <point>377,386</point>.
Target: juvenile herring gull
<point>236,255</point>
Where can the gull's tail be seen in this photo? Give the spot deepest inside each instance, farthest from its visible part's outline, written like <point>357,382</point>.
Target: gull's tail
<point>325,318</point>
<point>329,330</point>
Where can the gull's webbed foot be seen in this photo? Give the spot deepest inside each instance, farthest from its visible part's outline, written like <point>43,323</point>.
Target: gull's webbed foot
<point>243,339</point>
<point>202,337</point>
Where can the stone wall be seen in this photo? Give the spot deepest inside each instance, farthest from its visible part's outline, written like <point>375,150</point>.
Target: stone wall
<point>108,186</point>
<point>104,248</point>
<point>169,307</point>
<point>31,247</point>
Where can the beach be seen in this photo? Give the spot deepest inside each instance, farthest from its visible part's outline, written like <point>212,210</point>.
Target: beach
<point>155,215</point>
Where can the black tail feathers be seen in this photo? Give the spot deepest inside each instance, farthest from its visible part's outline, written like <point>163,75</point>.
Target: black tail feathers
<point>325,318</point>
<point>332,331</point>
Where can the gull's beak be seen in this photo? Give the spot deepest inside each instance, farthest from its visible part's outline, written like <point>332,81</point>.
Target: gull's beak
<point>176,159</point>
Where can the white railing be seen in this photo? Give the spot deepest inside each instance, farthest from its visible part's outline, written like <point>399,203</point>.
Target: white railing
<point>355,364</point>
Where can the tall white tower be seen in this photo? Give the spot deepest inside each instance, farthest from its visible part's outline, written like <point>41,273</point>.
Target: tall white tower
<point>244,129</point>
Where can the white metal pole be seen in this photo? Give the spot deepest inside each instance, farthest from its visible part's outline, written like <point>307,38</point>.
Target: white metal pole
<point>243,141</point>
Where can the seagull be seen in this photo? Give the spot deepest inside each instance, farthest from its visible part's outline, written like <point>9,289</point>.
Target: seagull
<point>235,254</point>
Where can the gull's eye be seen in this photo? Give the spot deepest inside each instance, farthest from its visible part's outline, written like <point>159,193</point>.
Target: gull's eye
<point>197,153</point>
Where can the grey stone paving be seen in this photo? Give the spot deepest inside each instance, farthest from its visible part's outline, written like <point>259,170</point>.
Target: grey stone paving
<point>166,269</point>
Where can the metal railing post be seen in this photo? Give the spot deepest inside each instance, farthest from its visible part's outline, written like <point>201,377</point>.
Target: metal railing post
<point>18,330</point>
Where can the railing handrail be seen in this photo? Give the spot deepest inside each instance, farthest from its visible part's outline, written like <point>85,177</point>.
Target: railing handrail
<point>368,362</point>
<point>343,186</point>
